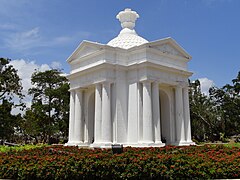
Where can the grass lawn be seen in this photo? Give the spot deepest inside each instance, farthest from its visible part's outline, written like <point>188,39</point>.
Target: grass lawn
<point>232,145</point>
<point>28,147</point>
<point>20,148</point>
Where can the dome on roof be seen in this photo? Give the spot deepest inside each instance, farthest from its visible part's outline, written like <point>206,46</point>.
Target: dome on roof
<point>127,41</point>
<point>128,37</point>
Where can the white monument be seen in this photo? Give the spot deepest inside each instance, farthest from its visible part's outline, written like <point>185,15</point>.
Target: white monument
<point>129,91</point>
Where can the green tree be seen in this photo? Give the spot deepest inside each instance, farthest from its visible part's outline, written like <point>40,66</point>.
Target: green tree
<point>10,83</point>
<point>61,107</point>
<point>10,87</point>
<point>9,124</point>
<point>206,121</point>
<point>50,105</point>
<point>227,100</point>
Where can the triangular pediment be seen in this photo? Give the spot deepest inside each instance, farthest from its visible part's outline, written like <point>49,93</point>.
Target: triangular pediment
<point>167,48</point>
<point>170,47</point>
<point>84,49</point>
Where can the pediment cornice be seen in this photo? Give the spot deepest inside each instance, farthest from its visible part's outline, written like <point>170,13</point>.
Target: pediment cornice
<point>170,47</point>
<point>85,48</point>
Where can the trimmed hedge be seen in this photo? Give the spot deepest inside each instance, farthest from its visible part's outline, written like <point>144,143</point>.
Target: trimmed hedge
<point>59,162</point>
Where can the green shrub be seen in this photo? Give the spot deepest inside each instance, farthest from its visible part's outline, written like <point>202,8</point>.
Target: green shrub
<point>59,162</point>
<point>20,148</point>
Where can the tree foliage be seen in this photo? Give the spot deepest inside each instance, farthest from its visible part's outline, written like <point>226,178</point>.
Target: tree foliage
<point>10,83</point>
<point>10,87</point>
<point>50,105</point>
<point>218,115</point>
<point>227,100</point>
<point>9,123</point>
<point>204,115</point>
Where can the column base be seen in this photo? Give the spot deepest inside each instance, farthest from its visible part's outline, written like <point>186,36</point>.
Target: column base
<point>106,145</point>
<point>70,143</point>
<point>191,143</point>
<point>75,143</point>
<point>145,144</point>
<point>183,143</point>
<point>159,142</point>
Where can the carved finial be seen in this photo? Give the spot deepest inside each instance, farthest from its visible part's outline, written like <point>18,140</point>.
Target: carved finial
<point>127,18</point>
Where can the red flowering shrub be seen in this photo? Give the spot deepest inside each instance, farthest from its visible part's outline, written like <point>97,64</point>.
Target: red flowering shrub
<point>59,162</point>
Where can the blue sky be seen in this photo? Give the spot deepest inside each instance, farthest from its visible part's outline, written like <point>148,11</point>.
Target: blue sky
<point>42,34</point>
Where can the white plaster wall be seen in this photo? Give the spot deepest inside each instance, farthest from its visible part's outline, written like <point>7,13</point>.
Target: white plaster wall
<point>121,106</point>
<point>153,56</point>
<point>84,63</point>
<point>87,78</point>
<point>164,76</point>
<point>137,57</point>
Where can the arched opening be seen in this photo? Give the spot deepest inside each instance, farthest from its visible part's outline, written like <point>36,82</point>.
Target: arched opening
<point>165,117</point>
<point>91,117</point>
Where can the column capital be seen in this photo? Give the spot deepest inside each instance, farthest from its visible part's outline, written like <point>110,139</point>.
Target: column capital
<point>178,87</point>
<point>182,84</point>
<point>106,82</point>
<point>77,89</point>
<point>98,86</point>
<point>146,81</point>
<point>156,82</point>
<point>186,87</point>
<point>80,89</point>
<point>98,83</point>
<point>71,90</point>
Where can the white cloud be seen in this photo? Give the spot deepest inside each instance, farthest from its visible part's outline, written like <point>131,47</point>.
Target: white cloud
<point>61,40</point>
<point>25,71</point>
<point>26,40</point>
<point>22,41</point>
<point>205,85</point>
<point>56,65</point>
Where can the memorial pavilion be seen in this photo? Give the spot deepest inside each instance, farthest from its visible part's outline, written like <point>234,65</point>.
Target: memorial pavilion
<point>129,91</point>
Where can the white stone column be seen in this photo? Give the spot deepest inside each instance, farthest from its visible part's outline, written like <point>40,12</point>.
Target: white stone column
<point>71,117</point>
<point>78,127</point>
<point>156,112</point>
<point>98,114</point>
<point>121,105</point>
<point>180,133</point>
<point>187,115</point>
<point>132,113</point>
<point>147,113</point>
<point>140,111</point>
<point>106,114</point>
<point>85,117</point>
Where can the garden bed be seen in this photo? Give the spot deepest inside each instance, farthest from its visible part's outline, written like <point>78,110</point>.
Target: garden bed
<point>170,162</point>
